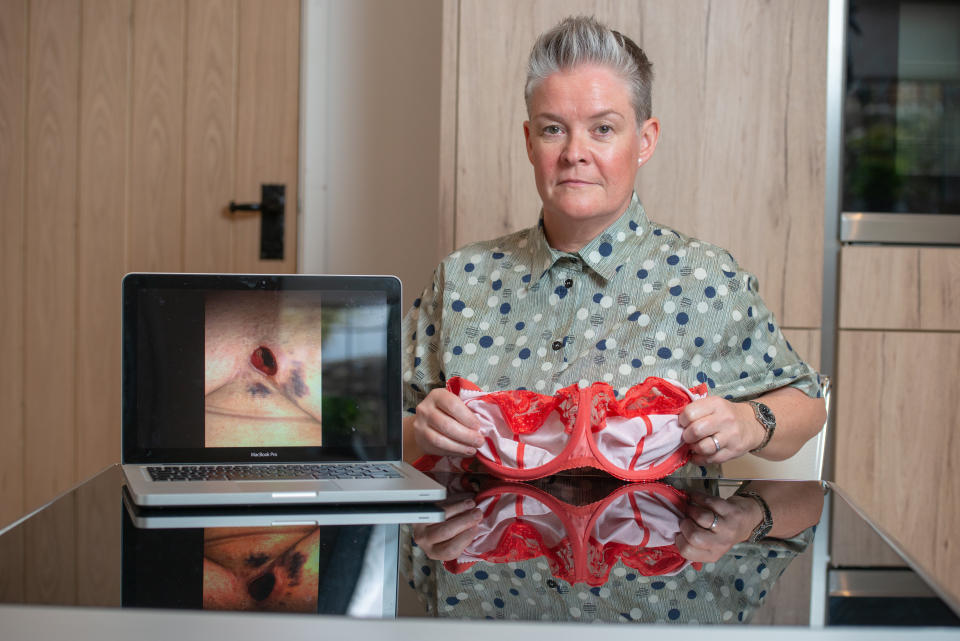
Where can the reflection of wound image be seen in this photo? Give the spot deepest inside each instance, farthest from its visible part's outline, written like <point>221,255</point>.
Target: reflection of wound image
<point>268,569</point>
<point>262,369</point>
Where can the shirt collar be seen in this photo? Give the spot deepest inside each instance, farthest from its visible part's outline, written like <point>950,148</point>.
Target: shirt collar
<point>604,255</point>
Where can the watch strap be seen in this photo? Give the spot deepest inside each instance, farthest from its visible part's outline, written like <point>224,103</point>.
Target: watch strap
<point>766,524</point>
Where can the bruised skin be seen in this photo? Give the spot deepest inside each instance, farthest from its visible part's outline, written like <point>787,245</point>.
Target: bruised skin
<point>272,569</point>
<point>262,370</point>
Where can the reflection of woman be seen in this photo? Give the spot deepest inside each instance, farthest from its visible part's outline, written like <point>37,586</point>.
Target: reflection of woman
<point>262,370</point>
<point>738,568</point>
<point>596,291</point>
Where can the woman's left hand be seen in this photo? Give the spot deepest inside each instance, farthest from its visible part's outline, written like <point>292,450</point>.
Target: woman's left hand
<point>714,525</point>
<point>718,430</point>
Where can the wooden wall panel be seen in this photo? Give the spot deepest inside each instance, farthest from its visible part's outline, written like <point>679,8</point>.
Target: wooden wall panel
<point>50,555</point>
<point>900,288</point>
<point>896,439</point>
<point>448,128</point>
<point>155,222</point>
<point>880,287</point>
<point>93,168</point>
<point>854,544</point>
<point>210,134</point>
<point>49,278</point>
<point>741,96</point>
<point>268,88</point>
<point>13,79</point>
<point>98,544</point>
<point>12,578</point>
<point>939,288</point>
<point>806,343</point>
<point>101,227</point>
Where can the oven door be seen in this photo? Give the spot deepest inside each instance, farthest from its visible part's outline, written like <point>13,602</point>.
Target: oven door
<point>901,178</point>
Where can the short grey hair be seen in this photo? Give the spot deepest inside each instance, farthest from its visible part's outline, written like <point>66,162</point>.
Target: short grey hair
<point>583,40</point>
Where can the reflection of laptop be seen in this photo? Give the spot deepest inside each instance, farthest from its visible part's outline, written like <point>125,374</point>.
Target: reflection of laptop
<point>164,518</point>
<point>264,389</point>
<point>344,565</point>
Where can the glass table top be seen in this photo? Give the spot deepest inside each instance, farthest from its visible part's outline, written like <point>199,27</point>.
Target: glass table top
<point>564,549</point>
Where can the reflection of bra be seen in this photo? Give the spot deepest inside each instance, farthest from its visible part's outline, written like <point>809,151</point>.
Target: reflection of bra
<point>529,435</point>
<point>637,524</point>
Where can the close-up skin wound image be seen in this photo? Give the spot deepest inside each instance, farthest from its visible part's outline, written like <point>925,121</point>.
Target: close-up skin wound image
<point>262,370</point>
<point>268,569</point>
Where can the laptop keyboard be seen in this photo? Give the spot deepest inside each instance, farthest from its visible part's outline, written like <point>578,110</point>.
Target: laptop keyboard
<point>274,472</point>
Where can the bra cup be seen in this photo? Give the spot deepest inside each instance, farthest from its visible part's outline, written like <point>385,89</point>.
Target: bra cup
<point>661,437</point>
<point>658,526</point>
<point>640,438</point>
<point>500,510</point>
<point>519,523</point>
<point>501,445</point>
<point>614,534</point>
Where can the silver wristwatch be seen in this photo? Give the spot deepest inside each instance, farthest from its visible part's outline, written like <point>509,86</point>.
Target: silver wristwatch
<point>766,418</point>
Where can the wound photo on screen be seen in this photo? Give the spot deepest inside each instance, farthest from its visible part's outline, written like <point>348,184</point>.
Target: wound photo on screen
<point>262,369</point>
<point>265,569</point>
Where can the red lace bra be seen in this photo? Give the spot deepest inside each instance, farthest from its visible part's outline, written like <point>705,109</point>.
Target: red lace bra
<point>636,524</point>
<point>529,435</point>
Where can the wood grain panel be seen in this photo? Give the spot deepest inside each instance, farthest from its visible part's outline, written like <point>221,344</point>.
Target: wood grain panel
<point>742,116</point>
<point>939,288</point>
<point>101,226</point>
<point>880,287</point>
<point>12,553</point>
<point>853,543</point>
<point>806,343</point>
<point>155,223</point>
<point>741,96</point>
<point>13,79</point>
<point>896,436</point>
<point>900,288</point>
<point>50,564</point>
<point>50,245</point>
<point>267,123</point>
<point>446,223</point>
<point>98,544</point>
<point>210,134</point>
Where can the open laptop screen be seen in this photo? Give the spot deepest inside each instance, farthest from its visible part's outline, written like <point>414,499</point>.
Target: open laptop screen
<point>256,368</point>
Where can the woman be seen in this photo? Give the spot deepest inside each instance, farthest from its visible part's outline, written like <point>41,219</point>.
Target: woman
<point>595,291</point>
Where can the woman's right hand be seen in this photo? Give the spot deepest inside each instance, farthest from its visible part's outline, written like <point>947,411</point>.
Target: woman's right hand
<point>445,426</point>
<point>446,541</point>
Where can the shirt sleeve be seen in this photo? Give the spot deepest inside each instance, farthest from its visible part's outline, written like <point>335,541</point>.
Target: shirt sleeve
<point>752,351</point>
<point>422,362</point>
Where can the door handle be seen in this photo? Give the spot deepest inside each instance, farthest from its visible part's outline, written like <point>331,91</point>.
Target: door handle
<point>272,206</point>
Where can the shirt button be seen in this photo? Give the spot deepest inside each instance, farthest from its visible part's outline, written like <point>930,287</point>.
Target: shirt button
<point>557,345</point>
<point>568,283</point>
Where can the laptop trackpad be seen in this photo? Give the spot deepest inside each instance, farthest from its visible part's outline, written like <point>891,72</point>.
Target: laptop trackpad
<point>303,491</point>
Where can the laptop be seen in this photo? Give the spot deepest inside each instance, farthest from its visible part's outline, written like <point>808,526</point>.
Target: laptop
<point>264,389</point>
<point>265,516</point>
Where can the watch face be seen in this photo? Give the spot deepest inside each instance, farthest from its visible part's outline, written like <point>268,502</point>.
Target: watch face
<point>766,414</point>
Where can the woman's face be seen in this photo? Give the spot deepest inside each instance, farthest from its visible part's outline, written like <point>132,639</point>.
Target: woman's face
<point>585,146</point>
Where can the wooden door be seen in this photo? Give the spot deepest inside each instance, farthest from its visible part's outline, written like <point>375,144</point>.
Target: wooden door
<point>126,128</point>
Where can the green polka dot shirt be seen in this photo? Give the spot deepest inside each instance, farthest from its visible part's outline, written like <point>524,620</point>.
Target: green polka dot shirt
<point>639,300</point>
